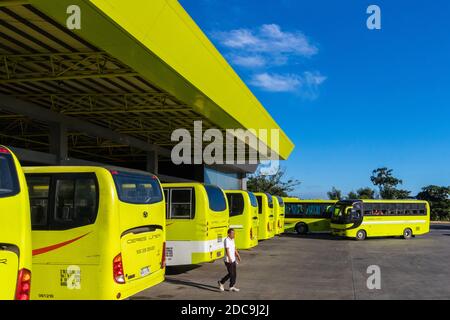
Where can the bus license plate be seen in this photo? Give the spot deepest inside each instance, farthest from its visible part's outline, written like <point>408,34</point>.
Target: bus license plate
<point>220,239</point>
<point>145,271</point>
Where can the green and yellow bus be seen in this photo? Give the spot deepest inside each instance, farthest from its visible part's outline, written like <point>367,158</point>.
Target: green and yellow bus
<point>97,233</point>
<point>279,210</point>
<point>15,230</point>
<point>360,219</point>
<point>308,216</point>
<point>266,229</point>
<point>197,223</point>
<point>243,218</point>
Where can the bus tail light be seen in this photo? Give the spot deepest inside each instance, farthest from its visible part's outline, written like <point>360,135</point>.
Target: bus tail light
<point>268,226</point>
<point>4,150</point>
<point>163,258</point>
<point>118,273</point>
<point>251,233</point>
<point>23,285</point>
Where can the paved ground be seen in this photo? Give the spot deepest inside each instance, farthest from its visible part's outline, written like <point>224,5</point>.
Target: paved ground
<point>321,267</point>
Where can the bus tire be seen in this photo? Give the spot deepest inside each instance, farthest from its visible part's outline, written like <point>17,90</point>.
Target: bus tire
<point>361,235</point>
<point>407,234</point>
<point>301,228</point>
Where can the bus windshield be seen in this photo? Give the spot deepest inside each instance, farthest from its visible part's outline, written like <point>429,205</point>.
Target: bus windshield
<point>137,188</point>
<point>345,213</point>
<point>9,184</point>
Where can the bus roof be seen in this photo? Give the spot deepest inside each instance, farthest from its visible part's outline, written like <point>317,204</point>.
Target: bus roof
<point>350,202</point>
<point>81,169</point>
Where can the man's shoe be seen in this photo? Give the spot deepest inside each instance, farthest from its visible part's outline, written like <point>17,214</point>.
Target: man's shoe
<point>221,287</point>
<point>234,289</point>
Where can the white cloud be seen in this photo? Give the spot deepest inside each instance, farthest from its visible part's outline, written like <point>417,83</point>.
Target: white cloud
<point>269,40</point>
<point>268,48</point>
<point>306,84</point>
<point>276,82</point>
<point>248,61</point>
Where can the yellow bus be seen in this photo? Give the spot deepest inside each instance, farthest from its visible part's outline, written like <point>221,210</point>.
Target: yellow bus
<point>279,209</point>
<point>308,216</point>
<point>266,229</point>
<point>15,230</point>
<point>197,223</point>
<point>360,219</point>
<point>97,233</point>
<point>243,218</point>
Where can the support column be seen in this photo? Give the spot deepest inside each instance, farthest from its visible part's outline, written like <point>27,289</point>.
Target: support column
<point>152,162</point>
<point>58,141</point>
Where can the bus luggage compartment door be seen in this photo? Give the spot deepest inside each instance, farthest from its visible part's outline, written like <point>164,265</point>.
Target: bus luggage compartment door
<point>9,268</point>
<point>142,250</point>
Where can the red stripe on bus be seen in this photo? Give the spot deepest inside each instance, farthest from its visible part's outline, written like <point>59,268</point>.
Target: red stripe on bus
<point>37,252</point>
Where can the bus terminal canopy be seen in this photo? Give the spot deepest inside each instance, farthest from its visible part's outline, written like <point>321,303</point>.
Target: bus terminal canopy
<point>120,85</point>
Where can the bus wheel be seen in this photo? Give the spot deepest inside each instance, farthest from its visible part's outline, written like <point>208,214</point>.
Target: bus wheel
<point>407,234</point>
<point>361,235</point>
<point>301,228</point>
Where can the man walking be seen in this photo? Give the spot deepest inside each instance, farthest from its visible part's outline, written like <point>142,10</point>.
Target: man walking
<point>230,262</point>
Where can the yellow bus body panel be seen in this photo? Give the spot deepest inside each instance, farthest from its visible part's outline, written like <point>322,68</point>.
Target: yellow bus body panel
<point>77,263</point>
<point>387,226</point>
<point>314,224</point>
<point>279,216</point>
<point>198,240</point>
<point>246,224</point>
<point>266,229</point>
<point>15,236</point>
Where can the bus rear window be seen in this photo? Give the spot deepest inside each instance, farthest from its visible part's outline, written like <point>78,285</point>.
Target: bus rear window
<point>9,184</point>
<point>236,204</point>
<point>270,199</point>
<point>253,199</point>
<point>216,199</point>
<point>281,202</point>
<point>137,188</point>
<point>260,206</point>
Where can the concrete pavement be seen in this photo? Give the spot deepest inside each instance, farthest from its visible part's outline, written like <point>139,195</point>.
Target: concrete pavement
<point>294,267</point>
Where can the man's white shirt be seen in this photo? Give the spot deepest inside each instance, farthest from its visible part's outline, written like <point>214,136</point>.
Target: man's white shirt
<point>229,244</point>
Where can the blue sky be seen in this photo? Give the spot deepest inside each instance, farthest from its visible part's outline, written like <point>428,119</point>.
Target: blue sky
<point>350,98</point>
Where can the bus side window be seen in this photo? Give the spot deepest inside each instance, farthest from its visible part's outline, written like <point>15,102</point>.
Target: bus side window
<point>422,209</point>
<point>38,188</point>
<point>408,209</point>
<point>75,202</point>
<point>400,208</point>
<point>368,209</point>
<point>391,209</point>
<point>181,204</point>
<point>166,197</point>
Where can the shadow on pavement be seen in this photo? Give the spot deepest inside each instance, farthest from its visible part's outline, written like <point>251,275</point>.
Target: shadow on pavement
<point>193,284</point>
<point>440,227</point>
<point>318,236</point>
<point>173,271</point>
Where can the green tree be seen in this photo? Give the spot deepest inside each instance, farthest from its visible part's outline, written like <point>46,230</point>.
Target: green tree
<point>334,194</point>
<point>352,195</point>
<point>274,185</point>
<point>438,197</point>
<point>366,193</point>
<point>387,184</point>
